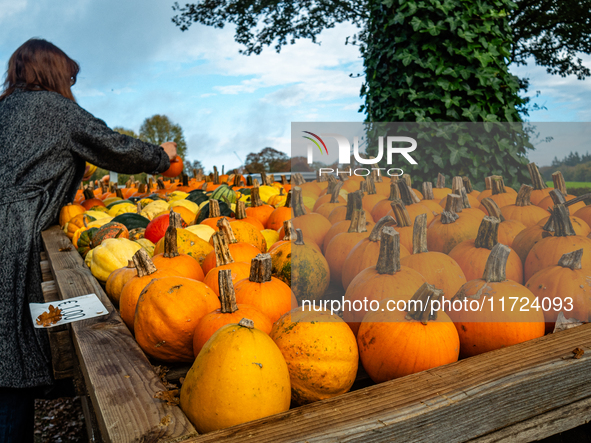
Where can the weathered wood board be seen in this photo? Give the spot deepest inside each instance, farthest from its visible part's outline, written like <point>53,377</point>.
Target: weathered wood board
<point>119,377</point>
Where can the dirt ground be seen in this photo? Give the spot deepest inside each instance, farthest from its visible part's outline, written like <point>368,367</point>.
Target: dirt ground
<point>59,421</point>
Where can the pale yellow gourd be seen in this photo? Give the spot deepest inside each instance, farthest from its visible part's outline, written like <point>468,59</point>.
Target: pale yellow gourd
<point>111,254</point>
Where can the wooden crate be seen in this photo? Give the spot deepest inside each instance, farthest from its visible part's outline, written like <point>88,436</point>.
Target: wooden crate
<point>520,393</point>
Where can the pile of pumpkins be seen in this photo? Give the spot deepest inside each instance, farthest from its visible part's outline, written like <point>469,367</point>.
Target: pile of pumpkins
<point>240,280</point>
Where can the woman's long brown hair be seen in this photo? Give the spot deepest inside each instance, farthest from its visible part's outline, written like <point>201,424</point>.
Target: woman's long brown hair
<point>40,65</point>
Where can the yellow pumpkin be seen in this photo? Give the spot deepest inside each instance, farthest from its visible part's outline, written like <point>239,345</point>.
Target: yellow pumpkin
<point>111,254</point>
<point>177,195</point>
<point>239,376</point>
<point>320,351</point>
<point>266,192</point>
<point>151,210</point>
<point>271,236</point>
<point>97,215</point>
<point>110,200</point>
<point>122,208</point>
<point>193,207</point>
<point>187,243</point>
<point>202,231</point>
<point>147,245</point>
<point>76,223</point>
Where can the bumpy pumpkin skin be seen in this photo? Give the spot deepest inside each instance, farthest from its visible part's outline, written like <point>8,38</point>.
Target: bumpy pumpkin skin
<point>109,230</point>
<point>163,330</point>
<point>484,331</point>
<point>320,351</point>
<point>217,395</point>
<point>112,254</point>
<point>188,243</point>
<point>548,251</point>
<point>392,347</point>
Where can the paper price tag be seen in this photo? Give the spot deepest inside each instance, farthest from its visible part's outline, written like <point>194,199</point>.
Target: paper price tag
<point>72,309</point>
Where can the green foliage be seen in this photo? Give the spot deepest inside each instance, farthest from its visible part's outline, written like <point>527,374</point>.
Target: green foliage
<point>577,173</point>
<point>159,129</point>
<point>268,160</point>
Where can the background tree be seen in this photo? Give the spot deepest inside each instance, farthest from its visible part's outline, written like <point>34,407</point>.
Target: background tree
<point>122,130</point>
<point>268,160</point>
<point>430,60</point>
<point>159,129</point>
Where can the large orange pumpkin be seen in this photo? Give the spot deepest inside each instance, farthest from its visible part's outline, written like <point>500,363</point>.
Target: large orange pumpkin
<point>387,279</point>
<point>230,312</point>
<point>396,343</point>
<point>523,211</point>
<point>489,323</point>
<point>117,280</point>
<point>259,210</point>
<point>224,260</point>
<point>240,214</point>
<point>167,313</point>
<point>280,214</point>
<point>69,211</point>
<point>499,194</point>
<point>310,273</point>
<point>313,226</point>
<point>334,199</point>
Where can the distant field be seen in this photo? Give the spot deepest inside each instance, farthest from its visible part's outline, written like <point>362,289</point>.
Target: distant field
<point>572,184</point>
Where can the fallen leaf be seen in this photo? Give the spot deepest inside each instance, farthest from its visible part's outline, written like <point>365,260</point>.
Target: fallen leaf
<point>578,352</point>
<point>50,317</point>
<point>67,248</point>
<point>170,397</point>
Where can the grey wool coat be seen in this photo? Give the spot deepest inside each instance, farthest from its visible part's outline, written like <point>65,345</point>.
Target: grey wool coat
<point>45,140</point>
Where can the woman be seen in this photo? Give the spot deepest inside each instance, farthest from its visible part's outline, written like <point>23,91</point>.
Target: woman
<point>45,141</point>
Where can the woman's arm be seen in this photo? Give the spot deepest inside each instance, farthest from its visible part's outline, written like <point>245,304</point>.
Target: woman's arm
<point>93,141</point>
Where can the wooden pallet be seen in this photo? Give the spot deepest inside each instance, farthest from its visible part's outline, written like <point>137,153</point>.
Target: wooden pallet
<point>520,393</point>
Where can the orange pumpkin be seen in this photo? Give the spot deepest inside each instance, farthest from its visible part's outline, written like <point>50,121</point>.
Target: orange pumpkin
<point>364,253</point>
<point>69,211</point>
<point>240,214</point>
<point>308,270</point>
<point>489,323</point>
<point>472,255</point>
<point>388,279</point>
<point>229,312</point>
<point>566,282</point>
<point>146,272</point>
<point>413,205</point>
<point>429,201</point>
<point>499,194</point>
<point>549,250</point>
<point>334,200</point>
<point>313,226</point>
<point>560,185</point>
<point>440,191</point>
<point>280,214</point>
<point>224,260</point>
<point>258,209</point>
<point>168,311</point>
<point>523,211</point>
<point>117,280</point>
<point>541,190</point>
<point>440,270</point>
<point>263,291</point>
<point>393,344</point>
<point>184,264</point>
<point>508,229</point>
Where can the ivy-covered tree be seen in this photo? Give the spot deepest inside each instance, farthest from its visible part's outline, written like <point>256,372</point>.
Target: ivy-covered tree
<point>430,61</point>
<point>159,129</point>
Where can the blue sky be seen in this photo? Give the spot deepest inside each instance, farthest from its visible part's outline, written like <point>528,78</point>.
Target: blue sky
<point>136,63</point>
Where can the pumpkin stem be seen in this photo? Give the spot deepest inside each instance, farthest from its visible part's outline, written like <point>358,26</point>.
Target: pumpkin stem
<point>358,221</point>
<point>448,217</point>
<point>160,184</point>
<point>421,309</point>
<point>394,191</point>
<point>284,180</point>
<point>488,183</point>
<point>227,294</point>
<point>362,187</point>
<point>428,191</point>
<point>246,323</point>
<point>224,227</point>
<point>88,194</point>
<point>354,201</point>
<point>138,207</point>
<point>571,260</point>
<point>498,185</point>
<point>492,208</point>
<point>376,231</point>
<point>264,179</point>
<point>496,264</point>
<point>141,188</point>
<point>523,196</point>
<point>143,264</point>
<point>562,224</point>
<point>297,179</point>
<point>297,202</point>
<point>255,196</point>
<point>214,208</point>
<point>222,252</point>
<point>170,237</point>
<point>467,184</point>
<point>536,178</point>
<point>401,214</point>
<point>488,233</point>
<point>453,203</point>
<point>389,258</point>
<point>240,212</point>
<point>419,234</point>
<point>119,193</point>
<point>407,195</point>
<point>377,178</point>
<point>290,234</point>
<point>260,268</point>
<point>465,199</point>
<point>336,188</point>
<point>440,181</point>
<point>299,238</point>
<point>370,185</point>
<point>456,185</point>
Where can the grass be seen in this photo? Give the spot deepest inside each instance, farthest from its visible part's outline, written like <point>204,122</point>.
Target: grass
<point>572,184</point>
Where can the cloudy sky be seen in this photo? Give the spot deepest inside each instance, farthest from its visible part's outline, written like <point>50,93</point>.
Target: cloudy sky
<point>136,63</point>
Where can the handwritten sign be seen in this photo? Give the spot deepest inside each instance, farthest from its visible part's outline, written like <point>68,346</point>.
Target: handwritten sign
<point>73,309</point>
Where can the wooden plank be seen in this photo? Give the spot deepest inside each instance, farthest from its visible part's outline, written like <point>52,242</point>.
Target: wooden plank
<point>49,291</point>
<point>119,378</point>
<point>45,271</point>
<point>543,425</point>
<point>452,403</point>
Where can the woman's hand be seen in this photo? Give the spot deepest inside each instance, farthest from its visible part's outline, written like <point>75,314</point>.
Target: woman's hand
<point>170,149</point>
